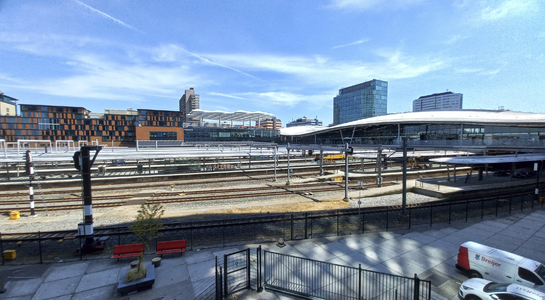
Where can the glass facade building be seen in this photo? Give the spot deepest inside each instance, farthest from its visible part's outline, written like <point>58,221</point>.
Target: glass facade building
<point>360,101</point>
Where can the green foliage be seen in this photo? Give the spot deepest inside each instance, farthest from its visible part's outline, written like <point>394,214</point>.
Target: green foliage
<point>147,224</point>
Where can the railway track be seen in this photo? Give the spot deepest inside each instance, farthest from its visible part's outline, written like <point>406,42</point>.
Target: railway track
<point>180,197</point>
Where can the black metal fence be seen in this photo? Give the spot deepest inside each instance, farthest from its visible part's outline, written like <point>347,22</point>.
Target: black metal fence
<point>61,245</point>
<point>311,278</point>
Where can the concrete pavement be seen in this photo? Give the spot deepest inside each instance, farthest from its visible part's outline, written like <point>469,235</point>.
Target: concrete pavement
<point>428,252</point>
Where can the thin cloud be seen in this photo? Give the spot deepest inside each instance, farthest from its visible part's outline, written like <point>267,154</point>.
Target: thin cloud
<point>361,5</point>
<point>226,95</point>
<point>106,15</point>
<point>206,60</point>
<point>454,39</point>
<point>351,44</point>
<point>507,8</point>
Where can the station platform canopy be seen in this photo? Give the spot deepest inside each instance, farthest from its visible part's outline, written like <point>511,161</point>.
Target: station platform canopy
<point>238,116</point>
<point>496,159</point>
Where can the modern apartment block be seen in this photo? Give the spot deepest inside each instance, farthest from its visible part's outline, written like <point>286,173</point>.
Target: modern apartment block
<point>304,121</point>
<point>270,124</point>
<point>8,107</point>
<point>62,123</point>
<point>360,101</point>
<point>189,102</point>
<point>440,101</point>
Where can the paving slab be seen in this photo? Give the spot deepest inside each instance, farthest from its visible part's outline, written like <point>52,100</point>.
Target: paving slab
<point>67,271</point>
<point>354,242</point>
<point>103,292</point>
<point>106,264</point>
<point>399,245</point>
<point>22,287</point>
<point>422,259</point>
<point>168,275</point>
<point>98,279</point>
<point>379,254</point>
<point>198,256</point>
<point>313,251</point>
<point>57,288</point>
<point>201,270</point>
<point>336,248</point>
<point>355,258</point>
<point>419,237</point>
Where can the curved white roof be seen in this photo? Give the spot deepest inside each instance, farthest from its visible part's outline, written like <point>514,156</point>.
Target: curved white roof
<point>239,115</point>
<point>485,117</point>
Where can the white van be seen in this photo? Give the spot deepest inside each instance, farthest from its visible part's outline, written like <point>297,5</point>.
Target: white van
<point>481,261</point>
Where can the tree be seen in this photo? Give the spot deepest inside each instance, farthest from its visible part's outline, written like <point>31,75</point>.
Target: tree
<point>147,224</point>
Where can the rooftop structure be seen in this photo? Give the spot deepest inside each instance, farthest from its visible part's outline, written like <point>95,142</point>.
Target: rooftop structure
<point>237,116</point>
<point>304,121</point>
<point>441,128</point>
<point>440,101</point>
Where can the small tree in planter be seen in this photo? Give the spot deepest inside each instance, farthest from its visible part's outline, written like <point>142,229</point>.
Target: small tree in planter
<point>146,228</point>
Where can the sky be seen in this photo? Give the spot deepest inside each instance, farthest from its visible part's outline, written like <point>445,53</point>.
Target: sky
<point>284,57</point>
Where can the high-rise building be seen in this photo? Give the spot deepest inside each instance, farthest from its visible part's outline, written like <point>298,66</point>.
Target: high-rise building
<point>360,101</point>
<point>440,101</point>
<point>304,121</point>
<point>189,102</point>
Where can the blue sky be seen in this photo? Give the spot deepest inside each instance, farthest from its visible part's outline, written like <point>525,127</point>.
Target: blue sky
<point>288,58</point>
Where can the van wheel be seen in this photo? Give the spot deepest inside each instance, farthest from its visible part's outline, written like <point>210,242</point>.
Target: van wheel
<point>475,274</point>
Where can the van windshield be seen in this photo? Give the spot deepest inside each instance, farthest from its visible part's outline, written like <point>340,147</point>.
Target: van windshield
<point>540,271</point>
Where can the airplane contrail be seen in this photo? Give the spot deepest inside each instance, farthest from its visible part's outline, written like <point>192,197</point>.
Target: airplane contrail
<point>107,16</point>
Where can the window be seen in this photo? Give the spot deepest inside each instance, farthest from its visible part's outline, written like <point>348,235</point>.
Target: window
<point>529,276</point>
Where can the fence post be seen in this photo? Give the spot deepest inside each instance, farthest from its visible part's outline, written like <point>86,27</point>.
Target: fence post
<point>410,219</point>
<point>337,222</point>
<point>40,246</point>
<point>467,209</point>
<point>449,213</point>
<point>80,250</point>
<point>291,231</point>
<point>306,223</point>
<point>362,224</point>
<point>497,207</point>
<point>221,285</point>
<point>223,236</point>
<point>248,268</point>
<point>225,277</point>
<point>387,221</point>
<point>2,249</point>
<point>259,284</point>
<point>359,283</point>
<point>431,214</point>
<point>416,295</point>
<point>482,208</point>
<point>510,203</point>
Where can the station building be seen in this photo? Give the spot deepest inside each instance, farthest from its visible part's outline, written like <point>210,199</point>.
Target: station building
<point>460,128</point>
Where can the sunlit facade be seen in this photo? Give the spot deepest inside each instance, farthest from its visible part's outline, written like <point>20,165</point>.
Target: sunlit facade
<point>365,100</point>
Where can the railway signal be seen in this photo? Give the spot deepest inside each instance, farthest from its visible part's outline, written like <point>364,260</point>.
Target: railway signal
<point>83,162</point>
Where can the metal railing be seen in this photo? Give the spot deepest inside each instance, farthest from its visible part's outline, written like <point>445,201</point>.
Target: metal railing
<point>61,245</point>
<point>311,279</point>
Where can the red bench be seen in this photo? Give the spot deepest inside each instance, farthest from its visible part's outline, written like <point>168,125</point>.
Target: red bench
<point>121,251</point>
<point>170,247</point>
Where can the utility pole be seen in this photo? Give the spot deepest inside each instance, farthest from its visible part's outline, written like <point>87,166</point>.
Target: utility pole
<point>29,166</point>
